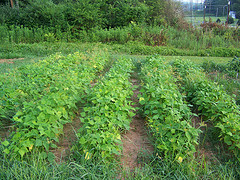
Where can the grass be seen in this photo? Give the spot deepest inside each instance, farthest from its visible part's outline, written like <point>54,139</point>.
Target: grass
<point>199,60</point>
<point>153,167</point>
<point>15,63</point>
<point>196,20</point>
<point>34,168</point>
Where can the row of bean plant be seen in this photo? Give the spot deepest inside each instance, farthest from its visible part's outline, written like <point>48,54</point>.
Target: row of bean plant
<point>168,117</point>
<point>212,102</point>
<point>109,111</point>
<point>43,97</point>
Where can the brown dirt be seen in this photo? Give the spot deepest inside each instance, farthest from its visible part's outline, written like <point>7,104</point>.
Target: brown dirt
<point>4,133</point>
<point>203,150</point>
<point>66,140</point>
<point>10,61</point>
<point>135,140</point>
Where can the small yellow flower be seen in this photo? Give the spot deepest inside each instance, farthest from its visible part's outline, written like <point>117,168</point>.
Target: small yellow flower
<point>30,148</point>
<point>87,156</point>
<point>158,156</point>
<point>180,159</point>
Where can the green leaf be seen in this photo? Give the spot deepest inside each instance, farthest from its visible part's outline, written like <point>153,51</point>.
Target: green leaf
<point>156,116</point>
<point>82,140</point>
<point>22,151</point>
<point>5,143</point>
<point>91,122</point>
<point>106,107</point>
<point>188,136</point>
<point>43,155</point>
<point>53,145</point>
<point>227,140</point>
<point>131,114</point>
<point>229,133</point>
<point>19,113</point>
<point>51,157</point>
<point>6,151</point>
<point>83,114</point>
<point>41,117</point>
<point>38,142</point>
<point>173,131</point>
<point>46,145</point>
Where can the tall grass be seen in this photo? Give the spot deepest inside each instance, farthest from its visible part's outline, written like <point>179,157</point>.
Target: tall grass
<point>225,76</point>
<point>153,167</point>
<point>21,34</point>
<point>192,40</point>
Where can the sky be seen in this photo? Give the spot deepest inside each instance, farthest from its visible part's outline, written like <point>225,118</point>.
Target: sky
<point>197,1</point>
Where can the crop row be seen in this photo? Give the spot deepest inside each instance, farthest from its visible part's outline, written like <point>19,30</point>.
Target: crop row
<point>212,102</point>
<point>108,113</point>
<point>42,98</point>
<point>167,115</point>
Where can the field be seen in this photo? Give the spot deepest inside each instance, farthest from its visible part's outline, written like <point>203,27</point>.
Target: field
<point>98,113</point>
<point>196,20</point>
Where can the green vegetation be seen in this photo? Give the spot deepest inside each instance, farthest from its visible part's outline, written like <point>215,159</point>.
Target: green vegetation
<point>109,112</point>
<point>95,67</point>
<point>168,117</point>
<point>42,97</point>
<point>177,160</point>
<point>212,102</point>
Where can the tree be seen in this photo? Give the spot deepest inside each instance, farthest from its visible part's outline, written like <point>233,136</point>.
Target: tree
<point>236,7</point>
<point>216,7</point>
<point>220,7</point>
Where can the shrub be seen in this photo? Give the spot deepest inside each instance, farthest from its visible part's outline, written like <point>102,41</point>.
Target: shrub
<point>230,20</point>
<point>238,22</point>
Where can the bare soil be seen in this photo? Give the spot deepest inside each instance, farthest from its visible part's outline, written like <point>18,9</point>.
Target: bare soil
<point>66,140</point>
<point>10,61</point>
<point>135,141</point>
<point>4,133</point>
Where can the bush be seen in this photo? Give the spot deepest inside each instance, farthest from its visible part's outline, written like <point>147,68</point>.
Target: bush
<point>230,20</point>
<point>238,22</point>
<point>218,21</point>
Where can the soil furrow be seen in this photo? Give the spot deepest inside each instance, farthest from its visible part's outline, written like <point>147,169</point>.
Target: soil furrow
<point>135,141</point>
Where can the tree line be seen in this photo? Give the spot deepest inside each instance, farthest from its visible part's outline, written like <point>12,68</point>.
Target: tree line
<point>220,7</point>
<point>87,14</point>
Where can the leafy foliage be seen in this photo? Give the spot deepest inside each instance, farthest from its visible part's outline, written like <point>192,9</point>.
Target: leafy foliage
<point>43,98</point>
<point>108,113</point>
<point>164,108</point>
<point>212,102</point>
<point>234,65</point>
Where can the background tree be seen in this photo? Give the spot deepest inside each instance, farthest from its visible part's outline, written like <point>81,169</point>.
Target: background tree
<point>216,7</point>
<point>236,7</point>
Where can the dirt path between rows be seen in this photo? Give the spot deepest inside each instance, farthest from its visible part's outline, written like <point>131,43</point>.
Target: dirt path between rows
<point>66,140</point>
<point>135,141</point>
<point>10,61</point>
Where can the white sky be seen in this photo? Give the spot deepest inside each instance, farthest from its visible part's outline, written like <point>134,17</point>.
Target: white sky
<point>197,1</point>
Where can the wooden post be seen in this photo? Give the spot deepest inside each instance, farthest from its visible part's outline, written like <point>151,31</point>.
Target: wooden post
<point>11,2</point>
<point>228,11</point>
<point>204,11</point>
